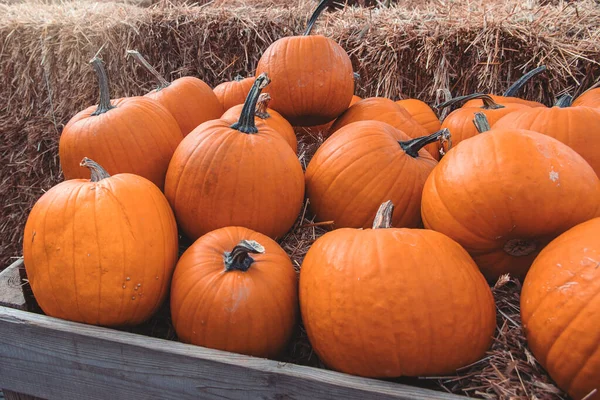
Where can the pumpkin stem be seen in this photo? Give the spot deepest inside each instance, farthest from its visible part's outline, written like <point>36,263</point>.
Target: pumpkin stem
<point>515,87</point>
<point>246,122</point>
<point>481,122</point>
<point>162,82</point>
<point>104,104</point>
<point>412,147</point>
<point>262,106</point>
<point>564,101</point>
<point>383,218</point>
<point>313,18</point>
<point>238,78</point>
<point>488,102</point>
<point>97,173</point>
<point>447,97</point>
<point>239,257</point>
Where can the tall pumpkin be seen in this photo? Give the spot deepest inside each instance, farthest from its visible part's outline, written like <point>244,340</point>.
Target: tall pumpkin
<point>235,290</point>
<point>101,250</point>
<point>505,193</point>
<point>232,93</point>
<point>135,135</point>
<point>235,175</point>
<point>560,310</point>
<point>388,302</point>
<point>312,75</point>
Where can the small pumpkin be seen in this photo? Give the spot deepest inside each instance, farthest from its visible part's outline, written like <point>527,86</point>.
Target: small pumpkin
<point>188,99</point>
<point>590,98</point>
<point>102,250</point>
<point>560,310</point>
<point>505,193</point>
<point>235,175</point>
<point>421,113</point>
<point>235,290</point>
<point>263,114</point>
<point>232,93</point>
<point>134,134</point>
<point>390,302</point>
<point>362,164</point>
<point>312,75</point>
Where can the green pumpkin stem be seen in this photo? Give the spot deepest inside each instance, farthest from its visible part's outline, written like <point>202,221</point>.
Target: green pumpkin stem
<point>481,122</point>
<point>97,173</point>
<point>313,18</point>
<point>383,218</point>
<point>564,101</point>
<point>412,147</point>
<point>262,106</point>
<point>162,82</point>
<point>488,102</point>
<point>246,122</point>
<point>515,87</point>
<point>104,104</point>
<point>238,259</point>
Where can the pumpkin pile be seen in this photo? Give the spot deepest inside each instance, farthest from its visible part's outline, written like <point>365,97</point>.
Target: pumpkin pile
<point>424,216</point>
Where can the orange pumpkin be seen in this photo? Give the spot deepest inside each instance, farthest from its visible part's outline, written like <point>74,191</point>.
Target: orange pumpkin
<point>394,302</point>
<point>325,129</point>
<point>235,175</point>
<point>135,135</point>
<point>360,166</point>
<point>235,290</point>
<point>263,114</point>
<point>560,310</point>
<point>504,194</point>
<point>590,98</point>
<point>421,113</point>
<point>233,92</point>
<point>101,251</point>
<point>312,75</point>
<point>188,99</point>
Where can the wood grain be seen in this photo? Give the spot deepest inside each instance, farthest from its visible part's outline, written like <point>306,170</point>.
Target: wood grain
<point>11,292</point>
<point>8,395</point>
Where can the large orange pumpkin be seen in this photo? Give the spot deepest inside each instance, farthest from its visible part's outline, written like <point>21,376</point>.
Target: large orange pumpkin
<point>188,99</point>
<point>421,113</point>
<point>101,250</point>
<point>560,309</point>
<point>135,135</point>
<point>235,175</point>
<point>312,75</point>
<point>590,98</point>
<point>362,165</point>
<point>504,194</point>
<point>392,302</point>
<point>235,290</point>
<point>233,92</point>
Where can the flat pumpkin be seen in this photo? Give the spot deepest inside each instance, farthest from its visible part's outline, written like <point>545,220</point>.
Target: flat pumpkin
<point>232,93</point>
<point>102,250</point>
<point>389,302</point>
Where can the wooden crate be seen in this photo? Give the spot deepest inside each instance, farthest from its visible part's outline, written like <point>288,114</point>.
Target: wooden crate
<point>50,358</point>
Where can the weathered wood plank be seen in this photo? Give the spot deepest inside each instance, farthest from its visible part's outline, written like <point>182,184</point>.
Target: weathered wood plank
<point>8,395</point>
<point>56,359</point>
<point>11,292</point>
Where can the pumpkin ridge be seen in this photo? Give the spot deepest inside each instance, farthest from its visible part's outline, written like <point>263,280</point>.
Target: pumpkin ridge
<point>583,367</point>
<point>73,249</point>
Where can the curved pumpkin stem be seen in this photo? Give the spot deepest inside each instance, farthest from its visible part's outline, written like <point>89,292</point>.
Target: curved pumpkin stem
<point>262,106</point>
<point>481,122</point>
<point>246,122</point>
<point>412,147</point>
<point>162,82</point>
<point>383,218</point>
<point>515,87</point>
<point>447,97</point>
<point>97,173</point>
<point>488,102</point>
<point>104,104</point>
<point>239,259</point>
<point>313,18</point>
<point>564,101</point>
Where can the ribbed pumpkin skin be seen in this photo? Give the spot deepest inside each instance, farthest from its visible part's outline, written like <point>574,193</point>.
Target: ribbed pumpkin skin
<point>359,167</point>
<point>422,113</point>
<point>577,127</point>
<point>252,312</point>
<point>504,100</point>
<point>394,302</point>
<point>221,177</point>
<point>590,98</point>
<point>506,185</point>
<point>325,129</point>
<point>233,92</point>
<point>560,309</point>
<point>312,81</point>
<point>139,136</point>
<point>101,253</point>
<point>190,101</point>
<point>275,121</point>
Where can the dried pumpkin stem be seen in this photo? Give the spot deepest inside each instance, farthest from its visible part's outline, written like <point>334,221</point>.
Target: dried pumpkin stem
<point>97,173</point>
<point>246,122</point>
<point>262,106</point>
<point>104,104</point>
<point>412,147</point>
<point>515,87</point>
<point>519,247</point>
<point>383,218</point>
<point>564,101</point>
<point>239,259</point>
<point>445,93</point>
<point>488,102</point>
<point>481,122</point>
<point>313,18</point>
<point>162,82</point>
